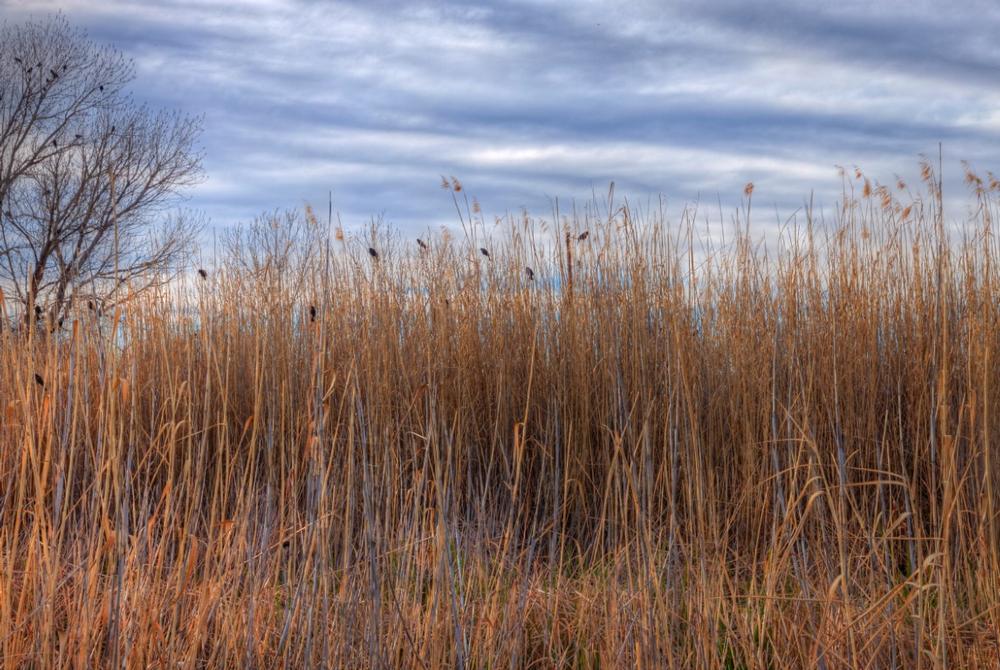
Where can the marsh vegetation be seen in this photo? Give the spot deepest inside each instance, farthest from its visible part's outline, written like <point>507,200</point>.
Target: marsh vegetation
<point>595,440</point>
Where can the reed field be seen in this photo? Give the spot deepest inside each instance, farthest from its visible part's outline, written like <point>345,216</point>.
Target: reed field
<point>603,438</point>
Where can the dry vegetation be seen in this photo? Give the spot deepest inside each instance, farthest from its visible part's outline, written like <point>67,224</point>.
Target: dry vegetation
<point>654,453</point>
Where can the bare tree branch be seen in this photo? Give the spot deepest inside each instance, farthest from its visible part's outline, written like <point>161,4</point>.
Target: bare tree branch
<point>87,176</point>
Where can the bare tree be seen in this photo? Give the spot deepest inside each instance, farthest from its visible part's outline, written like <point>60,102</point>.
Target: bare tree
<point>88,177</point>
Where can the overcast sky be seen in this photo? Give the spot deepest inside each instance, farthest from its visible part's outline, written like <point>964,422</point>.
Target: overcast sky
<point>528,101</point>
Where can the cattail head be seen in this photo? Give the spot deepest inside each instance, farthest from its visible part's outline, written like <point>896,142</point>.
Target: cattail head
<point>484,252</point>
<point>926,171</point>
<point>39,380</point>
<point>311,216</point>
<point>312,312</point>
<point>372,253</point>
<point>202,273</point>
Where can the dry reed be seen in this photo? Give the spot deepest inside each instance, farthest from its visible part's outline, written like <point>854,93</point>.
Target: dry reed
<point>693,455</point>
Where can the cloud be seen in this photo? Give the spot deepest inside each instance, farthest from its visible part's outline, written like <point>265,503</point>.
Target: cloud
<point>530,100</point>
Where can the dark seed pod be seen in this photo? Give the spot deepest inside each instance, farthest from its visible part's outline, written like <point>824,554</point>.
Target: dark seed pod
<point>312,312</point>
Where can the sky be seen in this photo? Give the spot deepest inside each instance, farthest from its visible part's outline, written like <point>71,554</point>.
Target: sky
<point>530,101</point>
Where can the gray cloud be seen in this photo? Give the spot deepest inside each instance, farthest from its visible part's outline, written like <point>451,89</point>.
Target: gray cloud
<point>526,101</point>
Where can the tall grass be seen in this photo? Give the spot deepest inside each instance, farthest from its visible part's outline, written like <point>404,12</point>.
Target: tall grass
<point>657,451</point>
